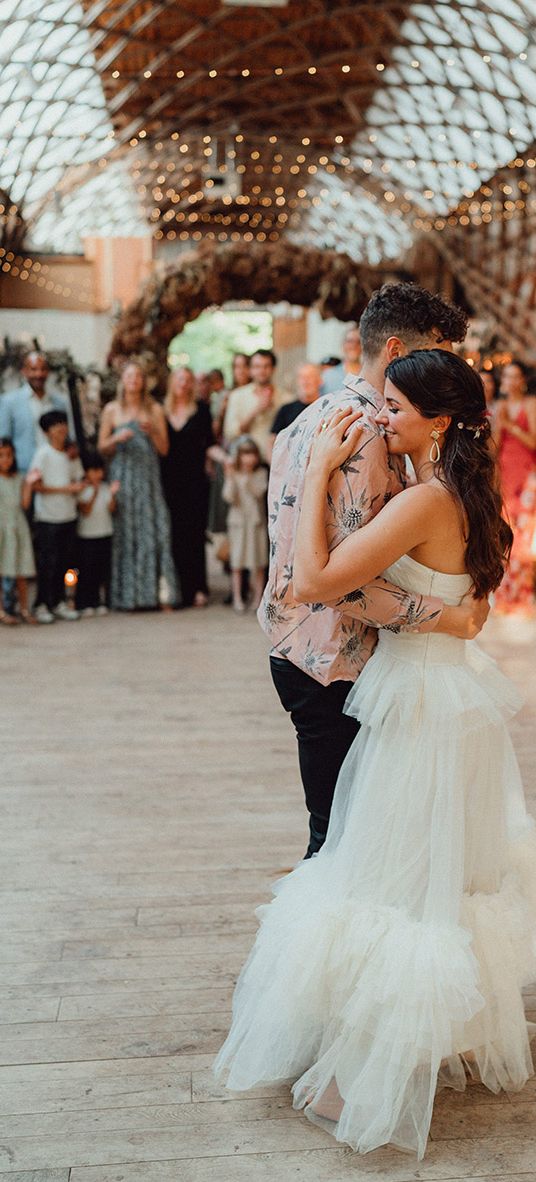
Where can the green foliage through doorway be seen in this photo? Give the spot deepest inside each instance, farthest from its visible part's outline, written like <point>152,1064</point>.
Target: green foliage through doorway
<point>210,341</point>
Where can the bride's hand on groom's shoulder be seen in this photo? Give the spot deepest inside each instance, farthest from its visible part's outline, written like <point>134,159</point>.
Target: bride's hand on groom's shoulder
<point>335,440</point>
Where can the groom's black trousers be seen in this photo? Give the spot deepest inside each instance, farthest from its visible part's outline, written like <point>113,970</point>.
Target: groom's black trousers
<point>324,736</point>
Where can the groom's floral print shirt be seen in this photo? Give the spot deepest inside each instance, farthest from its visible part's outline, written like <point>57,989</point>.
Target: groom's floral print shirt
<point>333,641</point>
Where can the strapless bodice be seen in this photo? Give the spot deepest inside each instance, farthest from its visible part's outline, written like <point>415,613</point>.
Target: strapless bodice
<point>412,646</point>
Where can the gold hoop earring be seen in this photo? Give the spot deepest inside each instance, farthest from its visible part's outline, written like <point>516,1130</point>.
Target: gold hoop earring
<point>435,450</point>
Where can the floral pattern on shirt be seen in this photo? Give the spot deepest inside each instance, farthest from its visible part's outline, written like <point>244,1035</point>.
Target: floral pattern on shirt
<point>333,641</point>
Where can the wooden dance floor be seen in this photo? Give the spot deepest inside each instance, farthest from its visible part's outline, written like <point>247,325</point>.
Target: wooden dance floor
<point>149,796</point>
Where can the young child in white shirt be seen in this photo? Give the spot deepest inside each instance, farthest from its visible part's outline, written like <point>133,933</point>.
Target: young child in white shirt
<point>57,481</point>
<point>96,505</point>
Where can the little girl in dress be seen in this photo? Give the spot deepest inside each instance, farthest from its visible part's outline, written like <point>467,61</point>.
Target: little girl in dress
<point>244,490</point>
<point>16,552</point>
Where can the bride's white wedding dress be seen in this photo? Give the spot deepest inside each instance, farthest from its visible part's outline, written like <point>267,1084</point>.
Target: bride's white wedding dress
<point>394,959</point>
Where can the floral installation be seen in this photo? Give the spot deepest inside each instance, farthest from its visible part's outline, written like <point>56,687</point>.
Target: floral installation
<point>216,273</point>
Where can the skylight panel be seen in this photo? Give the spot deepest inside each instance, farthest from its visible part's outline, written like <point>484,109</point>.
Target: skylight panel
<point>33,151</point>
<point>10,8</point>
<point>461,132</point>
<point>105,205</point>
<point>508,32</point>
<point>52,104</point>
<point>9,117</point>
<point>432,65</point>
<point>12,34</point>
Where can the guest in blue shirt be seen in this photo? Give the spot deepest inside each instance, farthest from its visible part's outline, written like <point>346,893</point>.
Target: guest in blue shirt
<point>21,409</point>
<point>335,377</point>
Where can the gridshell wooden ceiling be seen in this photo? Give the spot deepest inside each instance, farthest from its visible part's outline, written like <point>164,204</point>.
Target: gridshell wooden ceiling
<point>350,125</point>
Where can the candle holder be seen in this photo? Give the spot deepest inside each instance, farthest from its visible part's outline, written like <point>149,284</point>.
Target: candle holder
<point>70,583</point>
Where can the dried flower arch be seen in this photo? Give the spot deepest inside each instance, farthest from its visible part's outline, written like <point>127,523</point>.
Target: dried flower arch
<point>216,274</point>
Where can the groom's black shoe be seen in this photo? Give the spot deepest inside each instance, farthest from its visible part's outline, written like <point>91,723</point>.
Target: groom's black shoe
<point>318,827</point>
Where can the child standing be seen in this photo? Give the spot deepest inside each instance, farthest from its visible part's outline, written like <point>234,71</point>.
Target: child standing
<point>244,489</point>
<point>57,480</point>
<point>96,504</point>
<point>16,552</point>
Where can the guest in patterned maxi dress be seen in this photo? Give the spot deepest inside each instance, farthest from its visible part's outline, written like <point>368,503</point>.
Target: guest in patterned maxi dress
<point>133,435</point>
<point>515,433</point>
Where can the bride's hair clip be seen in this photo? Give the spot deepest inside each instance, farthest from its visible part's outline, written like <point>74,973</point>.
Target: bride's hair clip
<point>476,429</point>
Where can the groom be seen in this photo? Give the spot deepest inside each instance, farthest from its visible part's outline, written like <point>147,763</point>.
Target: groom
<point>318,650</point>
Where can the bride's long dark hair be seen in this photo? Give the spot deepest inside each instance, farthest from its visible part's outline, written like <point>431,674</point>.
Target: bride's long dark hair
<point>440,383</point>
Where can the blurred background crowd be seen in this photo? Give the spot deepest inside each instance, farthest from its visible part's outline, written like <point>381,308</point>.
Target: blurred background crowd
<point>121,521</point>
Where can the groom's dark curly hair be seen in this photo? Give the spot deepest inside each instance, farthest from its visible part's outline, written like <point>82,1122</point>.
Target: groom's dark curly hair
<point>410,312</point>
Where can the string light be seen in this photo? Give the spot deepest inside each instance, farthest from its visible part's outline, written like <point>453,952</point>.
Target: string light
<point>34,272</point>
<point>476,215</point>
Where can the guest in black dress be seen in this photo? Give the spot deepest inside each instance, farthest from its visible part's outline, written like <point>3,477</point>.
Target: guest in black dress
<point>185,484</point>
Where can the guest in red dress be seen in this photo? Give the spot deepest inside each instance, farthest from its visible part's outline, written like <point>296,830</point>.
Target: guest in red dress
<point>515,433</point>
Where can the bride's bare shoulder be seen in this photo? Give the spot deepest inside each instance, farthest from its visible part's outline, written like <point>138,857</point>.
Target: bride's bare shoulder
<point>430,492</point>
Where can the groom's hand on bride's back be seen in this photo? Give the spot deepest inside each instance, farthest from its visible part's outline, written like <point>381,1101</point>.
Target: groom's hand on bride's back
<point>466,620</point>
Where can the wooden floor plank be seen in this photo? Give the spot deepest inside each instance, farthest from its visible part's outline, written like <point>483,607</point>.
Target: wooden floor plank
<point>160,798</point>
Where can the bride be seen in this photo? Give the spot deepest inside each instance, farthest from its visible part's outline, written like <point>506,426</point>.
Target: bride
<point>392,962</point>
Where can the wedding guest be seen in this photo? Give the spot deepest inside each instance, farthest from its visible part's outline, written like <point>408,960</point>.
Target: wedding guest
<point>219,397</point>
<point>21,409</point>
<point>16,551</point>
<point>244,490</point>
<point>334,378</point>
<point>491,387</point>
<point>328,363</point>
<point>241,370</point>
<point>133,436</point>
<point>217,513</point>
<point>185,484</point>
<point>96,505</point>
<point>57,481</point>
<point>308,381</point>
<point>251,408</point>
<point>218,389</point>
<point>203,388</point>
<point>515,434</point>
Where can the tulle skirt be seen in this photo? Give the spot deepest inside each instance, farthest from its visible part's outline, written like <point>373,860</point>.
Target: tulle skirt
<point>393,961</point>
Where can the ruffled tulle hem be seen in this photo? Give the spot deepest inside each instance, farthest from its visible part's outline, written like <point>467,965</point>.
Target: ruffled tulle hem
<point>473,694</point>
<point>343,992</point>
